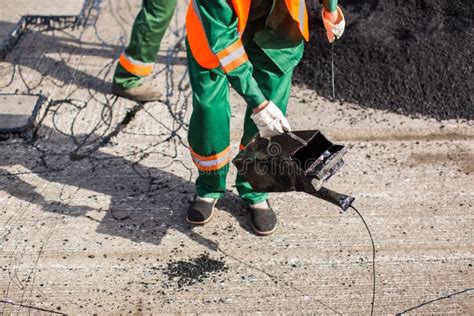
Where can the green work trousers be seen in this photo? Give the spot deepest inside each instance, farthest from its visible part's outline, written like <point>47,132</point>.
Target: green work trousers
<point>148,30</point>
<point>209,130</point>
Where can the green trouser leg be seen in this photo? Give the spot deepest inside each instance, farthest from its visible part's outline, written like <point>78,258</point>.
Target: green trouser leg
<point>209,130</point>
<point>148,30</point>
<point>276,86</point>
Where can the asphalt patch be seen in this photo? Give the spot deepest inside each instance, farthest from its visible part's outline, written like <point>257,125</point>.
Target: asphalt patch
<point>409,57</point>
<point>196,270</point>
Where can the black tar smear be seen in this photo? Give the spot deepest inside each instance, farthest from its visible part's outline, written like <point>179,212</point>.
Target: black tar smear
<point>186,273</point>
<point>410,57</point>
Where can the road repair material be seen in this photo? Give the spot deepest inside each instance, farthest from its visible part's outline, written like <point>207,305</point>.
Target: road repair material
<point>410,57</point>
<point>186,273</point>
<point>295,161</point>
<point>19,115</point>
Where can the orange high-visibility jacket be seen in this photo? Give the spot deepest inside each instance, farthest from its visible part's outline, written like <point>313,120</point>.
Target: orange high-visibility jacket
<point>197,38</point>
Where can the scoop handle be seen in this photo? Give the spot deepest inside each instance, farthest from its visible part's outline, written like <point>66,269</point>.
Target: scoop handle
<point>298,139</point>
<point>342,200</point>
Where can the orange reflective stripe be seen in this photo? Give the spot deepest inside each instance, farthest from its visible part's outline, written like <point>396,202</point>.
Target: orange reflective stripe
<point>212,162</point>
<point>199,44</point>
<point>198,40</point>
<point>236,63</point>
<point>135,67</point>
<point>197,36</point>
<point>298,12</point>
<point>212,167</point>
<point>222,164</point>
<point>230,49</point>
<point>233,56</point>
<point>211,157</point>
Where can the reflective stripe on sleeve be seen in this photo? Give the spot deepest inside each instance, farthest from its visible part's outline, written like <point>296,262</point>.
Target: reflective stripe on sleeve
<point>233,56</point>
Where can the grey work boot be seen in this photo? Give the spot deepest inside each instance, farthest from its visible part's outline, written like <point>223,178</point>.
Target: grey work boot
<point>262,219</point>
<point>142,93</point>
<point>201,210</point>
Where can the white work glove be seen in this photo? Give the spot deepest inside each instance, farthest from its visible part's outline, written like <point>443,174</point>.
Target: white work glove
<point>334,23</point>
<point>270,121</point>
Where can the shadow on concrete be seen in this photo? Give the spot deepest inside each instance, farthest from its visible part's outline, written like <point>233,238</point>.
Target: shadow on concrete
<point>34,51</point>
<point>35,48</point>
<point>145,202</point>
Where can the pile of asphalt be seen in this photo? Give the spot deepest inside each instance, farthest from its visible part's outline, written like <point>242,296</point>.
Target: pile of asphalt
<point>186,273</point>
<point>410,57</point>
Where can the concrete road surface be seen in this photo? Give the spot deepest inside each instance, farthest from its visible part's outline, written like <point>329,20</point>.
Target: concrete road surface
<point>92,213</point>
<point>12,11</point>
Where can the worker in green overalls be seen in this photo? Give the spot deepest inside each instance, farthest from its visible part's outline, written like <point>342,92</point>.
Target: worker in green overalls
<point>254,45</point>
<point>136,61</point>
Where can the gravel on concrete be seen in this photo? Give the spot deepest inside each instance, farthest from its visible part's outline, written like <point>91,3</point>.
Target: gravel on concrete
<point>188,272</point>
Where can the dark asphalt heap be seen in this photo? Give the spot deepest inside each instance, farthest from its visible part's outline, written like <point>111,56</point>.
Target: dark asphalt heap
<point>410,57</point>
<point>186,273</point>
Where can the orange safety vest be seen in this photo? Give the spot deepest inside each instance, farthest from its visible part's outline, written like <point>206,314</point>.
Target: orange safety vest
<point>201,49</point>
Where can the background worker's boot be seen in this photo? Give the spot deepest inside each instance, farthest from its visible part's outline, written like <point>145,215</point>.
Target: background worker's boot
<point>201,210</point>
<point>262,218</point>
<point>142,93</point>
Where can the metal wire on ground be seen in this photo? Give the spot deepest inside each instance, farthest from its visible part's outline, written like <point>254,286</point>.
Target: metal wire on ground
<point>435,300</point>
<point>333,79</point>
<point>373,259</point>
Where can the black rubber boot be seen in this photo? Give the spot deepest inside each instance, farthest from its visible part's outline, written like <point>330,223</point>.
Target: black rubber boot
<point>200,212</point>
<point>263,220</point>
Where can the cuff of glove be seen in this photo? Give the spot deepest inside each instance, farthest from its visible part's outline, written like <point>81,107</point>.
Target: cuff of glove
<point>262,118</point>
<point>331,19</point>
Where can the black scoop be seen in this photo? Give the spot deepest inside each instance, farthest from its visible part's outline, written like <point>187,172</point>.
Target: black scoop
<point>297,161</point>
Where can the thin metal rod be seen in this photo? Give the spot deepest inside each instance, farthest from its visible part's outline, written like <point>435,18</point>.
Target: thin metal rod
<point>372,304</point>
<point>332,72</point>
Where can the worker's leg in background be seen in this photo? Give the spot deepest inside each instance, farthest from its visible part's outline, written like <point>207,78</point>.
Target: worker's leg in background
<point>275,84</point>
<point>209,130</point>
<point>138,58</point>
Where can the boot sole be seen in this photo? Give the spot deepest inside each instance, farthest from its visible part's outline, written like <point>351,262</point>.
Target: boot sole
<point>122,94</point>
<point>267,233</point>
<point>200,223</point>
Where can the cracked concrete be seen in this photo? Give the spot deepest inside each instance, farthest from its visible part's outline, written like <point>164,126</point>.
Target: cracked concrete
<point>89,222</point>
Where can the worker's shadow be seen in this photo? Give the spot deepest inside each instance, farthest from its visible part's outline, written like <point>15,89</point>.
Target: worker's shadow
<point>145,202</point>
